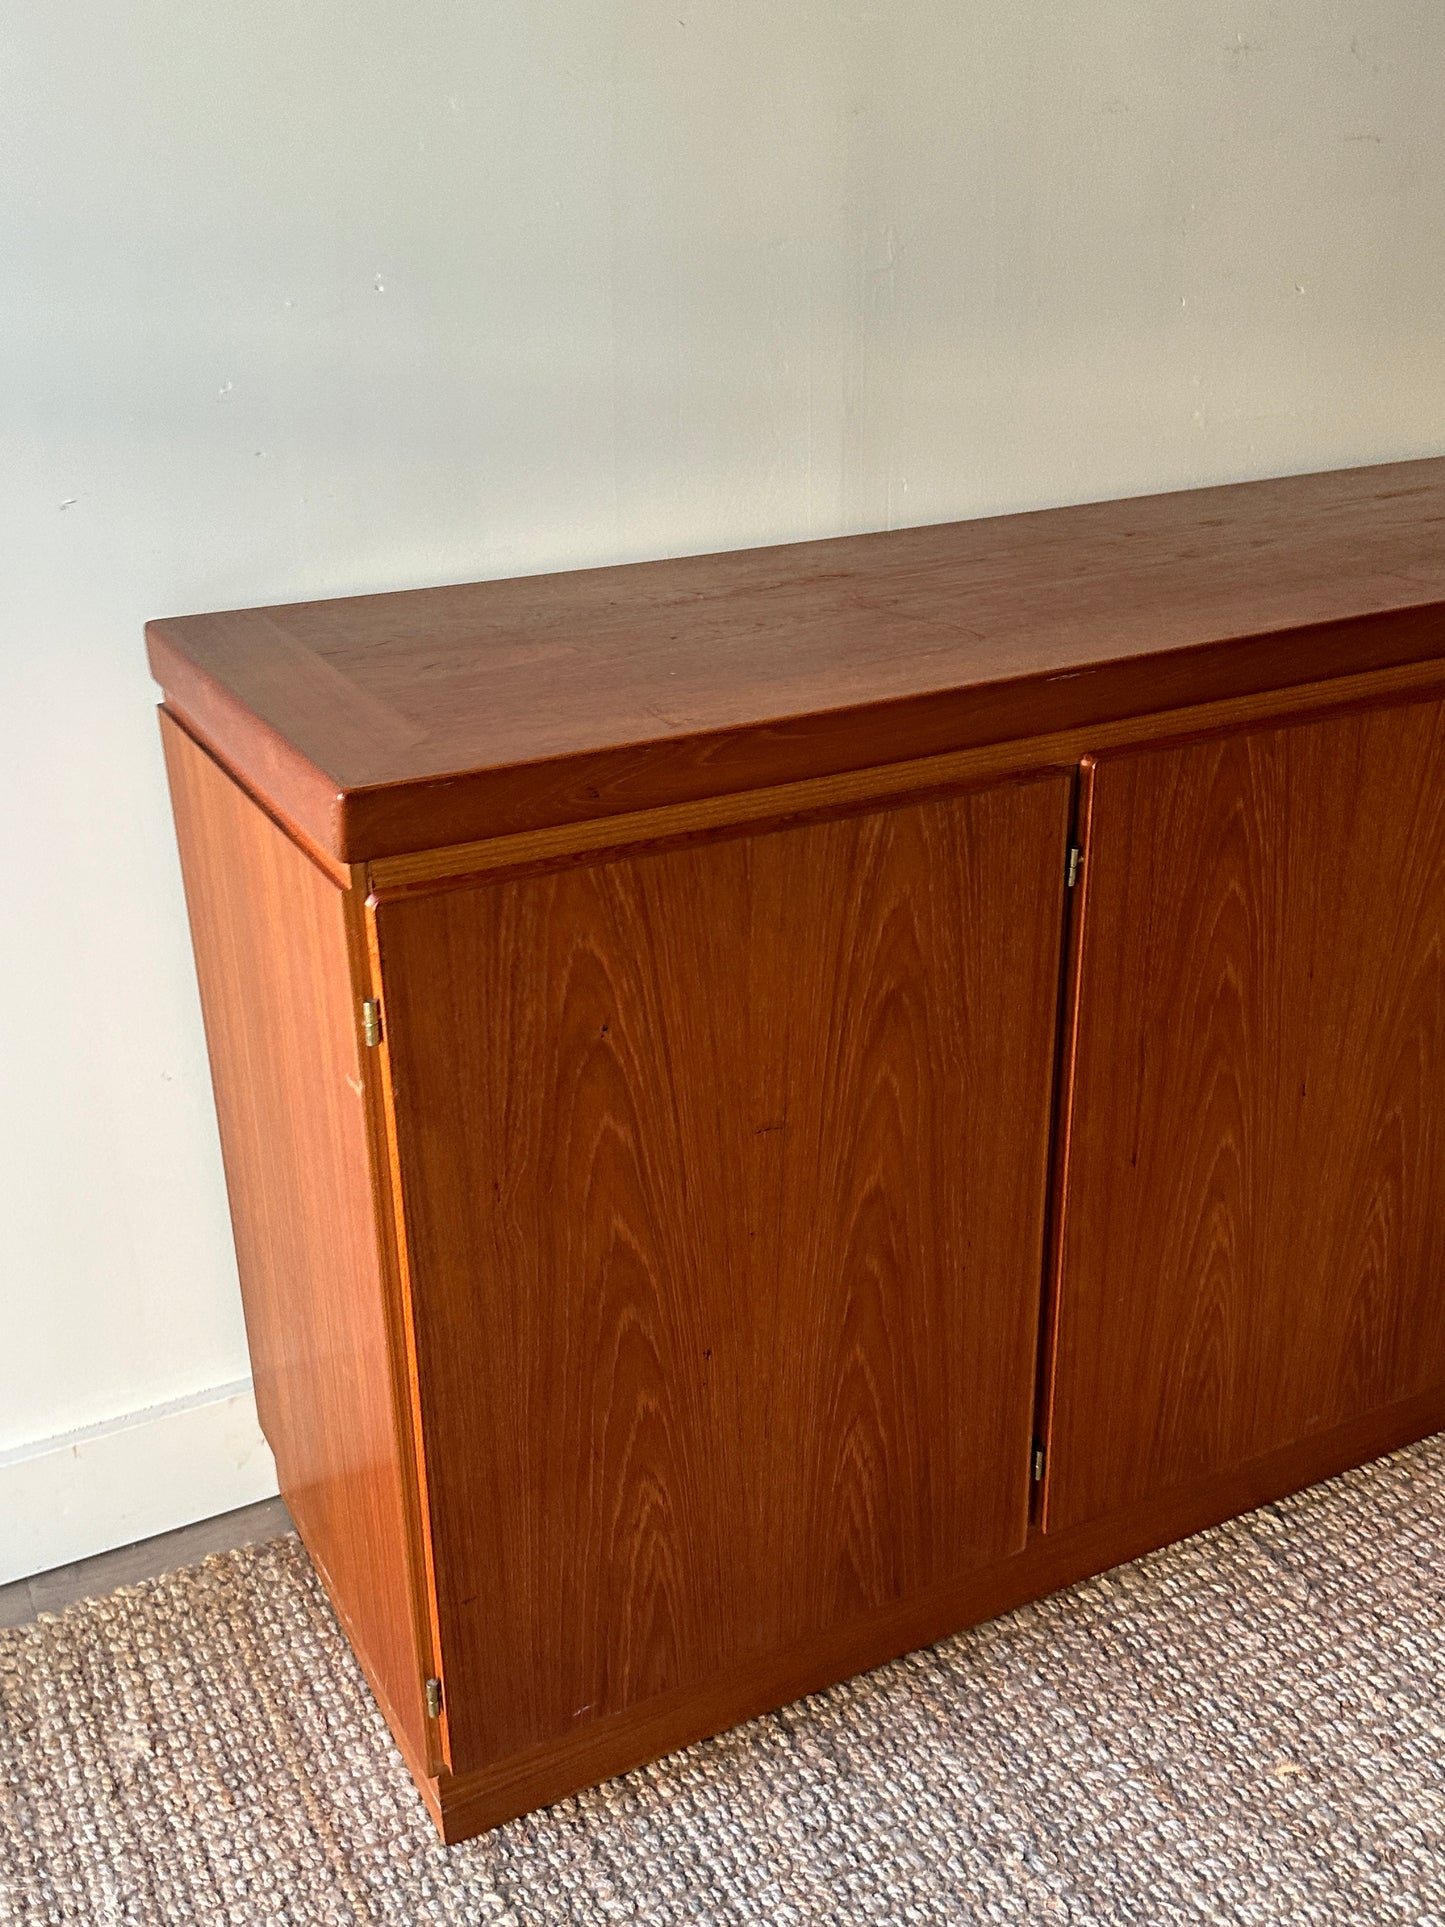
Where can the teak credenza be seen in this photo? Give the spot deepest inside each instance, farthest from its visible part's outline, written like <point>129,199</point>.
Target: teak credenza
<point>777,1105</point>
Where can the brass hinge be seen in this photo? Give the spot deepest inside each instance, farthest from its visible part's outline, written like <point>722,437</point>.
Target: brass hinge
<point>1038,1463</point>
<point>1076,863</point>
<point>371,1022</point>
<point>433,1699</point>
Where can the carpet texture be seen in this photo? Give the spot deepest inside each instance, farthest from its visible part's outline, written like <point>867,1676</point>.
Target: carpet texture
<point>1245,1728</point>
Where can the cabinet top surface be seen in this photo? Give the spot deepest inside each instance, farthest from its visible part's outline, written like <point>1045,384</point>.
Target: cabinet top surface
<point>383,723</point>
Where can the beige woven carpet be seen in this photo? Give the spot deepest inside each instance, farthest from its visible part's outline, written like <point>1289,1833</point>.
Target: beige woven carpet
<point>1245,1728</point>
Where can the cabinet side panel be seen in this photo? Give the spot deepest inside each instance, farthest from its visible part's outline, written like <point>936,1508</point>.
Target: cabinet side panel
<point>270,940</point>
<point>1254,1232</point>
<point>724,1175</point>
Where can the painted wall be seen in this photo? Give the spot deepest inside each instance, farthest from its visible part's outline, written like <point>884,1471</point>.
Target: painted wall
<point>305,299</point>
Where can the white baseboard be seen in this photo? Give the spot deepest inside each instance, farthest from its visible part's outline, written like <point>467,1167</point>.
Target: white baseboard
<point>64,1498</point>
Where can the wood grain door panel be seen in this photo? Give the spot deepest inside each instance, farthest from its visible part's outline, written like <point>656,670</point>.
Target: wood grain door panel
<point>1253,1241</point>
<point>723,1171</point>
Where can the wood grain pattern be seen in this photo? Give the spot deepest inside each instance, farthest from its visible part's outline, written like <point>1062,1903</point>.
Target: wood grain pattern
<point>723,1179</point>
<point>466,1805</point>
<point>382,725</point>
<point>272,956</point>
<point>1254,1235</point>
<point>649,1330</point>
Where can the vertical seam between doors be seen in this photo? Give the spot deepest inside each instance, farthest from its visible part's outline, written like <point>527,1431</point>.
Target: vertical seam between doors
<point>1061,1119</point>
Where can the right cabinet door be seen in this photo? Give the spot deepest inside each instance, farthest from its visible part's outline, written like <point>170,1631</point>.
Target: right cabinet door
<point>1252,1238</point>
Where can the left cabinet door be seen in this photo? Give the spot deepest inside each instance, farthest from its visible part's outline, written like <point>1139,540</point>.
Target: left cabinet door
<point>723,1173</point>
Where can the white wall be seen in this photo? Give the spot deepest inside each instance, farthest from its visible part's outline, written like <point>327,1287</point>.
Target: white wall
<point>299,298</point>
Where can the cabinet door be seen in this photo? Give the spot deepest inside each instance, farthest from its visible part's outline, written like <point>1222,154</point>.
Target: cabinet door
<point>1253,1240</point>
<point>723,1172</point>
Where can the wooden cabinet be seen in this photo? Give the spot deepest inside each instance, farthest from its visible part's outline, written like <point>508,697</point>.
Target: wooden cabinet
<point>778,1105</point>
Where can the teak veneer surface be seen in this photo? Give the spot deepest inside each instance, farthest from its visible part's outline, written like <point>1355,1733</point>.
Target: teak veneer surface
<point>758,1147</point>
<point>1253,1232</point>
<point>1050,1560</point>
<point>385,724</point>
<point>723,1173</point>
<point>273,960</point>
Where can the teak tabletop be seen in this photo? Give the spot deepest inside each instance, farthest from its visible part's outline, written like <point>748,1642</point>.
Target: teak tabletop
<point>383,724</point>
